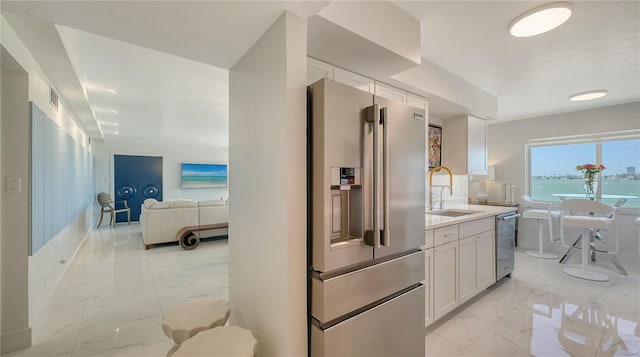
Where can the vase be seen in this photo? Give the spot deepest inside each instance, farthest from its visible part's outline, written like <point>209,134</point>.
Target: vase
<point>590,184</point>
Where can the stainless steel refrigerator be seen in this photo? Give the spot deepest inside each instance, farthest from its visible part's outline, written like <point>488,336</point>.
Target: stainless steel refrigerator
<point>366,224</point>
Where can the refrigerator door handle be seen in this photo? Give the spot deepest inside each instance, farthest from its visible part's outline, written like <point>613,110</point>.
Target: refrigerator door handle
<point>386,233</point>
<point>372,237</point>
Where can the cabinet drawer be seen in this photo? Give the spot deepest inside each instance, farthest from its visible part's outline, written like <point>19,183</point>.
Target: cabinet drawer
<point>468,229</point>
<point>445,235</point>
<point>428,239</point>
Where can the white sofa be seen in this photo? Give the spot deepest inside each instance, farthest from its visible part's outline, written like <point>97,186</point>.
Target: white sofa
<point>160,221</point>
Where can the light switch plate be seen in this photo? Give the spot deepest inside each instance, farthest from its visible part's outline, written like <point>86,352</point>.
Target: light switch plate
<point>14,184</point>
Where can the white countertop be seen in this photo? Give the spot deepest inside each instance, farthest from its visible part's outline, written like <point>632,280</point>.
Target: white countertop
<point>483,211</point>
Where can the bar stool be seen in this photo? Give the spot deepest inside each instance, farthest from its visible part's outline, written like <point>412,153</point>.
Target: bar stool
<point>541,211</point>
<point>186,320</point>
<point>590,216</point>
<point>222,341</point>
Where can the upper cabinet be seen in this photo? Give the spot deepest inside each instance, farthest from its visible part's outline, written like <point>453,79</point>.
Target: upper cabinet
<point>316,70</point>
<point>464,145</point>
<point>392,93</point>
<point>417,101</point>
<point>353,80</point>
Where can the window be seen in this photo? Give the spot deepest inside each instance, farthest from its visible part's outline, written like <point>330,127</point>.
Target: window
<point>552,166</point>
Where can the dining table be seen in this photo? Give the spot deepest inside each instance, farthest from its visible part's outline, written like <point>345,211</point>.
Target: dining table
<point>622,199</point>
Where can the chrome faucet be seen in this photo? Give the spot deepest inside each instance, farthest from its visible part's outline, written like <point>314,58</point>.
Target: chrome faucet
<point>437,168</point>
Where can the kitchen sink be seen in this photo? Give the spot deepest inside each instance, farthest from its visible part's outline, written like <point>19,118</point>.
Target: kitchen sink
<point>452,213</point>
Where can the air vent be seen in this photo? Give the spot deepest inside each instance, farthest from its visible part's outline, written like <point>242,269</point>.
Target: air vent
<point>53,97</point>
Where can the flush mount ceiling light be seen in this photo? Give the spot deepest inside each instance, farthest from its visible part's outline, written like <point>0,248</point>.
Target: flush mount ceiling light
<point>541,19</point>
<point>112,91</point>
<point>592,94</point>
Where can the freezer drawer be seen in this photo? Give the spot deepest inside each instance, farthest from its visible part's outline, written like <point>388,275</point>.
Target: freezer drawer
<point>394,328</point>
<point>338,296</point>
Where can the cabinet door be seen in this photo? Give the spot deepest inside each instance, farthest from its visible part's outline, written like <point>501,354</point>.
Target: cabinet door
<point>417,101</point>
<point>476,145</point>
<point>445,279</point>
<point>317,70</point>
<point>486,272</point>
<point>468,265</point>
<point>428,283</point>
<point>392,93</point>
<point>353,80</point>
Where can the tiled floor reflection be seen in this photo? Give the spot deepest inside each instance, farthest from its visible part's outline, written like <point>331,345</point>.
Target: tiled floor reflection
<point>112,300</point>
<point>542,312</point>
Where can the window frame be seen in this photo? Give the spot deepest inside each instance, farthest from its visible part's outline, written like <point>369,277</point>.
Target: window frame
<point>597,139</point>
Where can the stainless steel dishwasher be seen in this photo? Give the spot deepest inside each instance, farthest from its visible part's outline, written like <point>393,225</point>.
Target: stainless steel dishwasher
<point>506,244</point>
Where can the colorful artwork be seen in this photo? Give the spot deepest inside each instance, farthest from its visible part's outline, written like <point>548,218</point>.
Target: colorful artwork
<point>204,175</point>
<point>435,146</point>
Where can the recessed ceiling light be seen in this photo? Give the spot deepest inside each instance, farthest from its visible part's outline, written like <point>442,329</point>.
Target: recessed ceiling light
<point>113,111</point>
<point>541,19</point>
<point>592,94</point>
<point>113,91</point>
<point>107,123</point>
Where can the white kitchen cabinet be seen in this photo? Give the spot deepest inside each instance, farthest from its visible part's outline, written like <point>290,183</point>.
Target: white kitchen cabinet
<point>428,239</point>
<point>486,260</point>
<point>316,70</point>
<point>464,145</point>
<point>428,283</point>
<point>353,80</point>
<point>468,264</point>
<point>417,101</point>
<point>389,92</point>
<point>445,278</point>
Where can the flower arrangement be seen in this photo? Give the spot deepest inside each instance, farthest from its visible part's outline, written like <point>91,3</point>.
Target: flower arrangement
<point>589,178</point>
<point>590,168</point>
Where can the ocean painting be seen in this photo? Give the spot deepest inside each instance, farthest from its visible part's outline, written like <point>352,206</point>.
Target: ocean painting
<point>204,175</point>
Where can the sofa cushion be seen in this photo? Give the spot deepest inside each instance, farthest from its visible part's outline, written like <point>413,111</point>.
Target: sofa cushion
<point>212,203</point>
<point>183,203</point>
<point>149,202</point>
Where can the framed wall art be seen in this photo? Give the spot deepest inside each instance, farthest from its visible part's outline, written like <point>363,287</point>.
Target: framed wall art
<point>434,154</point>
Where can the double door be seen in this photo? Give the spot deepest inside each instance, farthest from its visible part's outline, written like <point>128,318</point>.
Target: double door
<point>380,211</point>
<point>136,178</point>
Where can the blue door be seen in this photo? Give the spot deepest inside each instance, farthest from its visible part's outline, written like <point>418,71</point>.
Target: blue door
<point>136,178</point>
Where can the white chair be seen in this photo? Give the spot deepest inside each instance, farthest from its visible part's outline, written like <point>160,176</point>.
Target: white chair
<point>541,211</point>
<point>590,216</point>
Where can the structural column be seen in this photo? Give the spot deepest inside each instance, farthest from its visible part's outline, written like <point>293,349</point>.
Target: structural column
<point>267,189</point>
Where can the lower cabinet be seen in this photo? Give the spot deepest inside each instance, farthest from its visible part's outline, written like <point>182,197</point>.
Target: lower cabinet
<point>477,264</point>
<point>468,268</point>
<point>486,271</point>
<point>458,270</point>
<point>428,283</point>
<point>445,278</point>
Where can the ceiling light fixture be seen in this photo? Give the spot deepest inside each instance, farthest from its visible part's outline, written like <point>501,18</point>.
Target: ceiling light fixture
<point>113,111</point>
<point>592,94</point>
<point>540,19</point>
<point>113,91</point>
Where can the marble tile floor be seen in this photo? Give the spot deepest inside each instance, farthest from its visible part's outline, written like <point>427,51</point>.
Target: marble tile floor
<point>112,300</point>
<point>540,311</point>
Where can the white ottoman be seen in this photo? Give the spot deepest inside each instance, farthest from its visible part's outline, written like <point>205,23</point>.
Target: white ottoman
<point>233,341</point>
<point>186,320</point>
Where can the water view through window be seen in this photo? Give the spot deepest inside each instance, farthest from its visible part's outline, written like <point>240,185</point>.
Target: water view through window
<point>553,169</point>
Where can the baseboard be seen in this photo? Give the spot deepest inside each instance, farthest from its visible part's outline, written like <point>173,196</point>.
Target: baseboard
<point>15,340</point>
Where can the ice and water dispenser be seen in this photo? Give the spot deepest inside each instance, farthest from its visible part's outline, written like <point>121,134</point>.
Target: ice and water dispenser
<point>346,207</point>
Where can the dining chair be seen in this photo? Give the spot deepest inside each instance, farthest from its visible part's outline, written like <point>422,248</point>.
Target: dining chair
<point>591,217</point>
<point>541,211</point>
<point>108,206</point>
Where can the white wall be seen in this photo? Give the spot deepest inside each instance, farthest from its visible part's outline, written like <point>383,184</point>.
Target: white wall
<point>506,150</point>
<point>14,233</point>
<point>172,156</point>
<point>45,264</point>
<point>267,209</point>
